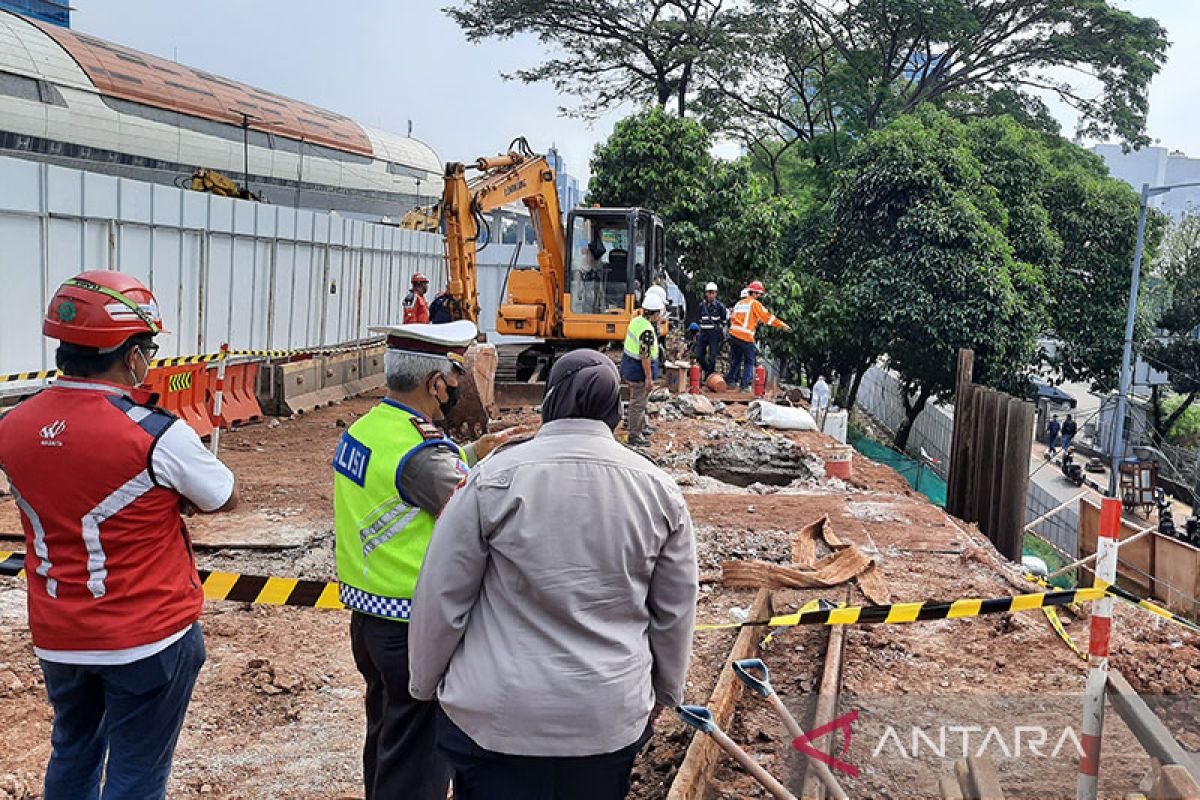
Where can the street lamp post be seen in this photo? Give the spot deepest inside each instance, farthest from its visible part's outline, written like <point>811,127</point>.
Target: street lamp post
<point>246,148</point>
<point>1118,440</point>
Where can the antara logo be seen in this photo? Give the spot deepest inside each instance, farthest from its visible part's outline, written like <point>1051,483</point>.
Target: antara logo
<point>51,432</point>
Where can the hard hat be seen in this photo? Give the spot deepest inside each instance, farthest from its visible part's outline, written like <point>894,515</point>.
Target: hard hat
<point>658,290</point>
<point>652,302</point>
<point>756,286</point>
<point>419,278</point>
<point>101,309</point>
<point>711,287</point>
<point>695,326</point>
<point>744,293</point>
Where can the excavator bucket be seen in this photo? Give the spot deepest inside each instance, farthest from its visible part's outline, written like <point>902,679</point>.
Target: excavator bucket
<point>468,420</point>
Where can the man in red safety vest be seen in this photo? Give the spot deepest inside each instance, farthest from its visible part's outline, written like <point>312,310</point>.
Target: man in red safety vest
<point>100,475</point>
<point>743,322</point>
<point>416,309</point>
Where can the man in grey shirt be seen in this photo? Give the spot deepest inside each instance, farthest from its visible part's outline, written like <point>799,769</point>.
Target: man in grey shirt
<point>553,615</point>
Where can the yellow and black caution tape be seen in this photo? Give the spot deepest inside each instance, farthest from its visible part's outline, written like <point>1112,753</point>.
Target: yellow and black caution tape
<point>177,361</point>
<point>921,612</point>
<point>234,587</point>
<point>1133,599</point>
<point>1056,623</point>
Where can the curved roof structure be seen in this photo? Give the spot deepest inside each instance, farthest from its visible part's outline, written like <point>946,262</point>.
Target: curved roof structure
<point>129,74</point>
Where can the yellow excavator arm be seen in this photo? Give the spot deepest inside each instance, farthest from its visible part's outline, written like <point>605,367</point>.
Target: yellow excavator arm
<point>535,296</point>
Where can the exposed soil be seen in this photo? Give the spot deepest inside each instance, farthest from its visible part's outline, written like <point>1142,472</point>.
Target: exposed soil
<point>277,710</point>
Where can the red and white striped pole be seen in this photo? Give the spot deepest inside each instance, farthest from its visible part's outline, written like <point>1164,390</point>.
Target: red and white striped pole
<point>218,395</point>
<point>1101,629</point>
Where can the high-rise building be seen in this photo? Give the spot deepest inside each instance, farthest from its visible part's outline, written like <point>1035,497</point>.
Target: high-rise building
<point>56,12</point>
<point>569,193</point>
<point>1156,166</point>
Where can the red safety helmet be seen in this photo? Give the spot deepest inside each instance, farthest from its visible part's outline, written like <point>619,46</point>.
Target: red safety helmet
<point>419,278</point>
<point>102,310</point>
<point>756,286</point>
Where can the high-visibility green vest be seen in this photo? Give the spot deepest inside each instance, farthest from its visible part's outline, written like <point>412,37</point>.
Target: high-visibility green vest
<point>633,334</point>
<point>381,536</point>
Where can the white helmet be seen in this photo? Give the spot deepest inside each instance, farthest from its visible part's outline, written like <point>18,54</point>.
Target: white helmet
<point>745,293</point>
<point>658,290</point>
<point>652,302</point>
<point>711,287</point>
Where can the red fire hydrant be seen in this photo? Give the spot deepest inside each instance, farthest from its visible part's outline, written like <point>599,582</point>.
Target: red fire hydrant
<point>694,379</point>
<point>760,381</point>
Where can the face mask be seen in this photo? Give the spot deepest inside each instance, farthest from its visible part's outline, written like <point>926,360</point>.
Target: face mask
<point>452,395</point>
<point>133,374</point>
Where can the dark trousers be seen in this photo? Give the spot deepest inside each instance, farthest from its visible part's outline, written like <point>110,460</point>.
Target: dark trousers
<point>708,350</point>
<point>399,756</point>
<point>483,775</point>
<point>741,363</point>
<point>130,712</point>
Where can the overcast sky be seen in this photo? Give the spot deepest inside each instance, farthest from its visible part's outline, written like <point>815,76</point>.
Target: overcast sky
<point>385,62</point>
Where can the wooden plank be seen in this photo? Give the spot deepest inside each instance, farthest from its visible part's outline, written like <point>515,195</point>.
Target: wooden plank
<point>958,465</point>
<point>1177,581</point>
<point>1144,723</point>
<point>985,781</point>
<point>985,426</point>
<point>948,788</point>
<point>703,754</point>
<point>827,702</point>
<point>1014,485</point>
<point>967,453</point>
<point>962,773</point>
<point>1175,783</point>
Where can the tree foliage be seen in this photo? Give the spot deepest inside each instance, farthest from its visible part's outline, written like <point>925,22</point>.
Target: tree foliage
<point>1176,350</point>
<point>721,225</point>
<point>609,52</point>
<point>799,71</point>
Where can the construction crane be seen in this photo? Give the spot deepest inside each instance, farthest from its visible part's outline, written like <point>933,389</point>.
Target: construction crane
<point>591,272</point>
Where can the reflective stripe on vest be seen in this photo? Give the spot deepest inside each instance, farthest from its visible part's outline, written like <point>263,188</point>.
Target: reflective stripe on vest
<point>381,539</point>
<point>739,320</point>
<point>633,334</point>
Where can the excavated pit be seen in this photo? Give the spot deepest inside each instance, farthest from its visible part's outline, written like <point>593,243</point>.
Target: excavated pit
<point>773,461</point>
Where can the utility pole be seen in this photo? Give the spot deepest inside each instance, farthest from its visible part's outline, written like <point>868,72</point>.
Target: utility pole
<point>246,148</point>
<point>1126,387</point>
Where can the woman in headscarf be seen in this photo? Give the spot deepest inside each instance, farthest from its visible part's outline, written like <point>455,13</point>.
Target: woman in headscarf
<point>554,611</point>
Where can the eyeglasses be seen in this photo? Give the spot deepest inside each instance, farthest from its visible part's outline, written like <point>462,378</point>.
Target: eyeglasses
<point>149,351</point>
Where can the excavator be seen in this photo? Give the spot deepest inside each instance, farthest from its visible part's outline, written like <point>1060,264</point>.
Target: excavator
<point>592,271</point>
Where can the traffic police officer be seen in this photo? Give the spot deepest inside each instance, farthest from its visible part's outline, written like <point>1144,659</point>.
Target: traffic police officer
<point>394,470</point>
<point>713,316</point>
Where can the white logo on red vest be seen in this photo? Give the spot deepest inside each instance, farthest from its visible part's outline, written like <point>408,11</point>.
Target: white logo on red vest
<point>51,432</point>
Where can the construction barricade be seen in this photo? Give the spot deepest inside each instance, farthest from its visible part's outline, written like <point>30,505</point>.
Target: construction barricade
<point>183,390</point>
<point>239,404</point>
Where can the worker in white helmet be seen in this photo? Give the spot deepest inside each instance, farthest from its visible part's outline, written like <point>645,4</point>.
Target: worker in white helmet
<point>712,321</point>
<point>639,364</point>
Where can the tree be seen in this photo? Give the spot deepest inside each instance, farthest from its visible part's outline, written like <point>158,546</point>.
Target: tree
<point>720,223</point>
<point>920,257</point>
<point>610,52</point>
<point>806,71</point>
<point>1176,350</point>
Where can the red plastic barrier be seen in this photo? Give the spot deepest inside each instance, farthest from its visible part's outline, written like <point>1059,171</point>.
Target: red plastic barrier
<point>240,401</point>
<point>183,390</point>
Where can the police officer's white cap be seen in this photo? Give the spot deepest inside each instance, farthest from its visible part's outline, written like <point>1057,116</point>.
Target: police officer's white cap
<point>711,287</point>
<point>449,341</point>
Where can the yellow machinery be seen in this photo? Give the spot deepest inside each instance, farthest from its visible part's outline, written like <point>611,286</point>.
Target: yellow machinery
<point>422,218</point>
<point>591,272</point>
<point>209,180</point>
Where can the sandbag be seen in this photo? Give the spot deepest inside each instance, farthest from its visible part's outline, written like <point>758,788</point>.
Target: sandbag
<point>783,418</point>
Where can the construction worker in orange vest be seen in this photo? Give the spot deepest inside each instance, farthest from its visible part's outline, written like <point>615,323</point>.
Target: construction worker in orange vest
<point>743,321</point>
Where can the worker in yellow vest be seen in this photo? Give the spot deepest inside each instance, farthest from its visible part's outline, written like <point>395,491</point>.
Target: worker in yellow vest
<point>394,471</point>
<point>743,322</point>
<point>639,364</point>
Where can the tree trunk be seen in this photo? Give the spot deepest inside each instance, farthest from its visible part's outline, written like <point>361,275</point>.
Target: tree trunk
<point>857,382</point>
<point>683,86</point>
<point>1161,433</point>
<point>911,412</point>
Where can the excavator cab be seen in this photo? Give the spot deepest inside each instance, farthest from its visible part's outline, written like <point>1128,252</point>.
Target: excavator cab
<point>613,255</point>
